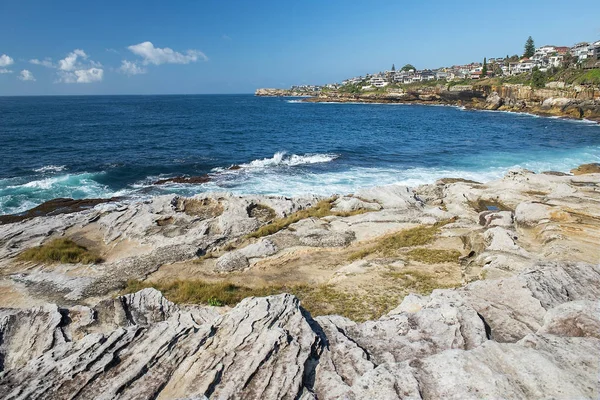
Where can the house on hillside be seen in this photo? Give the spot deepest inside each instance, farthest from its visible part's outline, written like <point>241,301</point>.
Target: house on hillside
<point>379,81</point>
<point>581,51</point>
<point>595,51</point>
<point>562,50</point>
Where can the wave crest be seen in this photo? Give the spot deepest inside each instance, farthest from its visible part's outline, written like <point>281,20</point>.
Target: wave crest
<point>51,168</point>
<point>281,158</point>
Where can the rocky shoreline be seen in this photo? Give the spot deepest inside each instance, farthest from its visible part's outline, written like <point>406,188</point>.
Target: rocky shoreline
<point>470,290</point>
<point>555,101</point>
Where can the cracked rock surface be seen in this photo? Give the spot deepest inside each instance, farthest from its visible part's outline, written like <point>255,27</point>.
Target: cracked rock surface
<point>450,344</point>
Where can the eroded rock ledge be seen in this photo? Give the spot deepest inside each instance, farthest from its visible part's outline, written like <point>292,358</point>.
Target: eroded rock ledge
<point>535,335</point>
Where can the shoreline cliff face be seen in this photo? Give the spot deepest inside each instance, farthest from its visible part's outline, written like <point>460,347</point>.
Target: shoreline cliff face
<point>559,100</point>
<point>476,290</point>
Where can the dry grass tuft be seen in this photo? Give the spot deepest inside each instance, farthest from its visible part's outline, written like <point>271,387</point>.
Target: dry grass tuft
<point>388,246</point>
<point>318,300</point>
<point>434,256</point>
<point>417,281</point>
<point>322,209</point>
<point>60,250</point>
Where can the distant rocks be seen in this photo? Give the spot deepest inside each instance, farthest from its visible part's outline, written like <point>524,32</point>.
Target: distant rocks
<point>593,168</point>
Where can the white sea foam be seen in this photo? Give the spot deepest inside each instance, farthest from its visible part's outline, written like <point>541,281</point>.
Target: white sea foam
<point>281,158</point>
<point>51,168</point>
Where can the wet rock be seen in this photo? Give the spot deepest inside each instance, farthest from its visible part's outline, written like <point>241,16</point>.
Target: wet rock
<point>184,179</point>
<point>55,207</point>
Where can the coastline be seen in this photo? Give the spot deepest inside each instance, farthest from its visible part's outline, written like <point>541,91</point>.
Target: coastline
<point>451,268</point>
<point>581,104</point>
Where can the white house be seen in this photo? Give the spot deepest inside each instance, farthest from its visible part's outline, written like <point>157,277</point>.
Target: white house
<point>378,81</point>
<point>581,51</point>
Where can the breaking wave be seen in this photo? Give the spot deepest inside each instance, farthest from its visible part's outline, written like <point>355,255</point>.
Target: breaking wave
<point>282,159</point>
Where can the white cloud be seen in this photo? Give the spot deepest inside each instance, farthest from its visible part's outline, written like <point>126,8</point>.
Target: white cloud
<point>89,75</point>
<point>158,56</point>
<point>71,69</point>
<point>5,71</point>
<point>69,62</point>
<point>26,75</point>
<point>5,60</point>
<point>131,68</point>
<point>46,62</point>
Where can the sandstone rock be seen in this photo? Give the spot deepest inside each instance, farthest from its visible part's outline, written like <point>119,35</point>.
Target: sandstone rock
<point>531,214</point>
<point>530,336</point>
<point>349,204</point>
<point>494,101</point>
<point>391,196</point>
<point>593,168</point>
<point>576,318</point>
<point>232,261</point>
<point>262,248</point>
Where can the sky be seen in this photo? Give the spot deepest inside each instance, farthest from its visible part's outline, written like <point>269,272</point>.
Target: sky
<point>201,47</point>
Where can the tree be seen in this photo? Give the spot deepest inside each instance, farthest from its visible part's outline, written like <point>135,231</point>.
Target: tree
<point>538,78</point>
<point>408,67</point>
<point>393,68</point>
<point>484,68</point>
<point>529,48</point>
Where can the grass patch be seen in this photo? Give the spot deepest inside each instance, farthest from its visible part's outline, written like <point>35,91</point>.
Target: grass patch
<point>318,300</point>
<point>417,281</point>
<point>388,246</point>
<point>434,256</point>
<point>60,250</point>
<point>322,209</point>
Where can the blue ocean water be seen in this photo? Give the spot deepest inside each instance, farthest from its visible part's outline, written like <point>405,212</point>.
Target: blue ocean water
<point>103,146</point>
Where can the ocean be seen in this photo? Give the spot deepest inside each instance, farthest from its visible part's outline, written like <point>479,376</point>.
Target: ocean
<point>107,146</point>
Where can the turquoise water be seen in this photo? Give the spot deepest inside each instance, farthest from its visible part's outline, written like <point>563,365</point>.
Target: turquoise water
<point>104,146</point>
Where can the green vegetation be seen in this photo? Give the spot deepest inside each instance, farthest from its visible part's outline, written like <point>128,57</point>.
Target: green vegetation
<point>418,281</point>
<point>529,48</point>
<point>538,78</point>
<point>484,69</point>
<point>318,300</point>
<point>60,250</point>
<point>589,77</point>
<point>408,67</point>
<point>322,209</point>
<point>433,256</point>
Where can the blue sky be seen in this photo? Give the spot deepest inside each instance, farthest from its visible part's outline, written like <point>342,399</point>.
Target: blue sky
<point>122,47</point>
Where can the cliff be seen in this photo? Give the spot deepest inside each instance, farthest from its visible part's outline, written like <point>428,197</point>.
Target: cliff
<point>567,101</point>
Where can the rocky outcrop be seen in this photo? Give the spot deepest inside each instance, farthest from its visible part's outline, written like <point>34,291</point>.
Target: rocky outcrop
<point>282,93</point>
<point>531,336</point>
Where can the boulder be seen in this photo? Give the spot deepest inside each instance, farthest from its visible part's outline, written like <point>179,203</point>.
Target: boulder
<point>349,204</point>
<point>232,261</point>
<point>260,249</point>
<point>592,168</point>
<point>391,196</point>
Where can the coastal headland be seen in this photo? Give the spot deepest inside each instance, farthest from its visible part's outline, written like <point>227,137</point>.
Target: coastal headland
<point>557,99</point>
<point>441,290</point>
